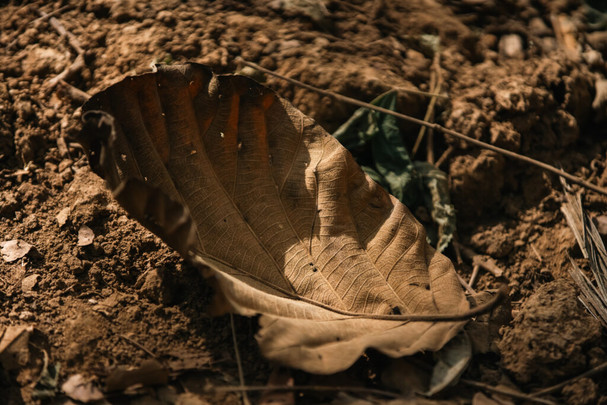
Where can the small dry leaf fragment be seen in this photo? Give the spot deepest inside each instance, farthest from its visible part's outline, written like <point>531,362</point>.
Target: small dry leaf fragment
<point>14,351</point>
<point>78,389</point>
<point>14,249</point>
<point>85,236</point>
<point>63,216</point>
<point>453,359</point>
<point>189,398</point>
<point>151,372</point>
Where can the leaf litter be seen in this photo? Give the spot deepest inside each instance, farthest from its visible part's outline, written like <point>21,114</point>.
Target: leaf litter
<point>236,179</point>
<point>593,294</point>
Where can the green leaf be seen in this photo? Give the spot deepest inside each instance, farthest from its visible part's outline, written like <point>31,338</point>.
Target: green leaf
<point>376,143</point>
<point>438,202</point>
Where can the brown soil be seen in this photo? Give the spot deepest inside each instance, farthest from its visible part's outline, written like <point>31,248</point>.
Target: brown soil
<point>95,307</point>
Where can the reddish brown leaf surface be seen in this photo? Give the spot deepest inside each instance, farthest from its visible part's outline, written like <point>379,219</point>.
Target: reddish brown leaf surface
<point>237,179</point>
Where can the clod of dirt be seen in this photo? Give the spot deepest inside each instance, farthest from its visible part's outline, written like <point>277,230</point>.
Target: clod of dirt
<point>14,249</point>
<point>152,286</point>
<point>549,338</point>
<point>469,177</point>
<point>42,61</point>
<point>599,104</point>
<point>582,392</point>
<point>8,204</point>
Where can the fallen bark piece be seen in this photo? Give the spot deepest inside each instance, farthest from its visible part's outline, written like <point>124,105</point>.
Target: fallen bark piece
<point>236,179</point>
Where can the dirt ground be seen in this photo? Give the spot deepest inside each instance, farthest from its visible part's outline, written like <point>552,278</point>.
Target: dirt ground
<point>524,75</point>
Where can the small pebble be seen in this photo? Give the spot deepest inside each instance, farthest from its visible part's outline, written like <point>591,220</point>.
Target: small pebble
<point>511,46</point>
<point>29,283</point>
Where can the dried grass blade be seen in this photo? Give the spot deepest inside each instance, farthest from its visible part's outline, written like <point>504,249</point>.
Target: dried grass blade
<point>593,294</point>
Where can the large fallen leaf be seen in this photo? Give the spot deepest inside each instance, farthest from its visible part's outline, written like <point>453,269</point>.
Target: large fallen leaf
<point>237,179</point>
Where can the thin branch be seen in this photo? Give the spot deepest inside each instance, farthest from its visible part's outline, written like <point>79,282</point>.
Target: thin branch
<point>68,71</point>
<point>140,346</point>
<point>42,18</point>
<point>436,82</point>
<point>477,259</point>
<point>466,285</point>
<point>474,275</point>
<point>245,397</point>
<point>73,41</point>
<point>593,371</point>
<point>507,392</point>
<point>74,92</point>
<point>71,38</point>
<point>444,156</point>
<point>420,92</point>
<point>315,388</point>
<point>537,254</point>
<point>436,127</point>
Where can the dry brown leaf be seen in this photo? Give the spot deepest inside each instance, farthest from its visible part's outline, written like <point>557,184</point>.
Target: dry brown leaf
<point>14,349</point>
<point>79,389</point>
<point>150,372</point>
<point>237,179</point>
<point>14,249</point>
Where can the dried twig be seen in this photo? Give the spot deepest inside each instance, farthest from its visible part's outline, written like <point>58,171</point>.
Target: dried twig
<point>486,263</point>
<point>245,397</point>
<point>74,92</point>
<point>601,368</point>
<point>139,346</point>
<point>42,18</point>
<point>474,275</point>
<point>419,92</point>
<point>466,285</point>
<point>507,392</point>
<point>303,388</point>
<point>444,156</point>
<point>436,81</point>
<point>73,41</point>
<point>436,127</point>
<point>537,254</point>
